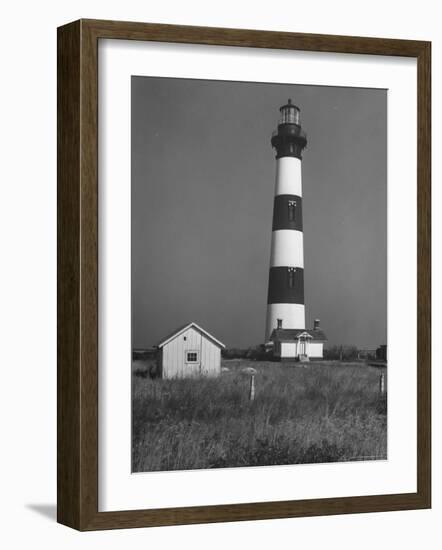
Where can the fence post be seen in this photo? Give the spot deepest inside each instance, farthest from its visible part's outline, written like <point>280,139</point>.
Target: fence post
<point>252,388</point>
<point>382,383</point>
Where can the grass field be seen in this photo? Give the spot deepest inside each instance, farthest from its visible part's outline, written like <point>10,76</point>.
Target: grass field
<point>324,412</point>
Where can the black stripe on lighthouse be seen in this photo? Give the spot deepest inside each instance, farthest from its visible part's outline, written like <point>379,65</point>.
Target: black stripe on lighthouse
<point>286,285</point>
<point>287,212</point>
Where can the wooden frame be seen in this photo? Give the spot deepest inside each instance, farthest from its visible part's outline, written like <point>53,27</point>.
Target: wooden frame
<point>77,460</point>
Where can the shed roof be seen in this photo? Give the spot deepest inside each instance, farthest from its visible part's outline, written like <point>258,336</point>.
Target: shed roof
<point>182,329</point>
<point>290,334</point>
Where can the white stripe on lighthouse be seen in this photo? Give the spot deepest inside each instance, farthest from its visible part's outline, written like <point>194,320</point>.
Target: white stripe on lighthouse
<point>291,315</point>
<point>287,249</point>
<point>288,176</point>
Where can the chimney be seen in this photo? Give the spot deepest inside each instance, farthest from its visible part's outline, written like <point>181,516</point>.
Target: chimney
<point>279,323</point>
<point>316,324</point>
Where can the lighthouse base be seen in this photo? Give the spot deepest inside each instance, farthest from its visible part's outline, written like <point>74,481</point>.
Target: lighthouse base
<point>297,344</point>
<point>284,316</point>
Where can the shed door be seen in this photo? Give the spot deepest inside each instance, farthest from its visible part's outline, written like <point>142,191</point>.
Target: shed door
<point>192,362</point>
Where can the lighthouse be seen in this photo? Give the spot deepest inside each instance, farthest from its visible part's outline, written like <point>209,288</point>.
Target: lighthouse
<point>285,299</point>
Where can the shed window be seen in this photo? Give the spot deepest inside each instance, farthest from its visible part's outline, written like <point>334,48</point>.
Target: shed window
<point>191,357</point>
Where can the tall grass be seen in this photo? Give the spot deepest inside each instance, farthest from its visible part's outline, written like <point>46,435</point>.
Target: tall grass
<point>322,413</point>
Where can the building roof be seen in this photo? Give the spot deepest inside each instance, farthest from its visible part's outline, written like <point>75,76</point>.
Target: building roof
<point>182,329</point>
<point>290,334</point>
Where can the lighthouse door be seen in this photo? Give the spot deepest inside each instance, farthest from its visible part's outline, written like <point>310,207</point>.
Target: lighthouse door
<point>303,346</point>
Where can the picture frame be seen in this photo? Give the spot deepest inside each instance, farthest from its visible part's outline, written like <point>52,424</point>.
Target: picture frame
<point>78,277</point>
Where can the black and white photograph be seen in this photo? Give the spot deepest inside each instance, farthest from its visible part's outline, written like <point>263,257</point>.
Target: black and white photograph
<point>259,274</point>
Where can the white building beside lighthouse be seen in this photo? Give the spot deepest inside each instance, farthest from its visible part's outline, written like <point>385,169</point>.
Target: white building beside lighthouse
<point>285,323</point>
<point>189,352</point>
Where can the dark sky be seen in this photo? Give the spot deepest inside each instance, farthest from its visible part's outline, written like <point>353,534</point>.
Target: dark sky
<point>203,174</point>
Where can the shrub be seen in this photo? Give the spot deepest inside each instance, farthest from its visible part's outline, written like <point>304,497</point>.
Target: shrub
<point>341,353</point>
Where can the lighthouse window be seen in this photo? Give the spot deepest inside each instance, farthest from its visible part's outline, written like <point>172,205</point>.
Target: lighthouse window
<point>291,207</point>
<point>291,278</point>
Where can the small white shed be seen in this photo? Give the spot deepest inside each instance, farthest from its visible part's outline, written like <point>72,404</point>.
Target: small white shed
<point>188,352</point>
